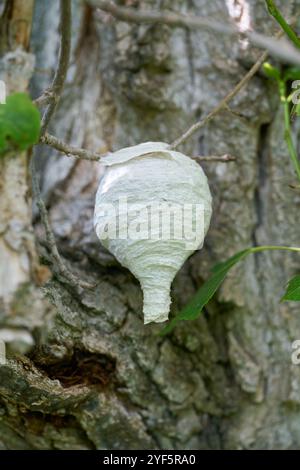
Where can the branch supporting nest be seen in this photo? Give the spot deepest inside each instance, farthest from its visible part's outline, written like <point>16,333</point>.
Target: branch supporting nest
<point>69,150</point>
<point>83,154</point>
<point>214,158</point>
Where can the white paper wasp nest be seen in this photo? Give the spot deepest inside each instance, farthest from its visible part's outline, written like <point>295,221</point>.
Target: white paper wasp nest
<point>153,209</point>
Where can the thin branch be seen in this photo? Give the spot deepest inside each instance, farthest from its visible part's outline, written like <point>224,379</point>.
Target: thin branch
<point>69,150</point>
<point>223,103</point>
<point>44,99</point>
<point>296,187</point>
<point>52,95</point>
<point>213,158</point>
<point>83,154</point>
<point>60,266</point>
<point>281,49</point>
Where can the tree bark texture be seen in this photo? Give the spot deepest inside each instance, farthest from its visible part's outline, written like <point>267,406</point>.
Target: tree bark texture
<point>83,371</point>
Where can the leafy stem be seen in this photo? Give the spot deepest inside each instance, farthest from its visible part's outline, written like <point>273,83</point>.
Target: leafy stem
<point>275,12</point>
<point>287,127</point>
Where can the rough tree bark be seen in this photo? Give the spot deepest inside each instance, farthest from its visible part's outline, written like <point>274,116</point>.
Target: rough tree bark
<point>93,375</point>
<point>18,257</point>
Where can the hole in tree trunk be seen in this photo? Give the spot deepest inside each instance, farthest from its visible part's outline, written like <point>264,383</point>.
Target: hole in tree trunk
<point>82,368</point>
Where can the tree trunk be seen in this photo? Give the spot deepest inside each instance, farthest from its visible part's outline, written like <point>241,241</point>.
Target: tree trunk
<point>19,265</point>
<point>91,375</point>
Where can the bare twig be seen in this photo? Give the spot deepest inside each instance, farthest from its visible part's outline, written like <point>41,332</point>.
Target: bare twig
<point>213,158</point>
<point>44,99</point>
<point>83,154</point>
<point>198,125</point>
<point>68,150</point>
<point>52,95</point>
<point>296,187</point>
<point>281,49</point>
<point>60,266</point>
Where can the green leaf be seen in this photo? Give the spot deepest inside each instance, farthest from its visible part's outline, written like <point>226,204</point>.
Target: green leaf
<point>292,73</point>
<point>19,123</point>
<point>205,293</point>
<point>293,290</point>
<point>219,272</point>
<point>270,71</point>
